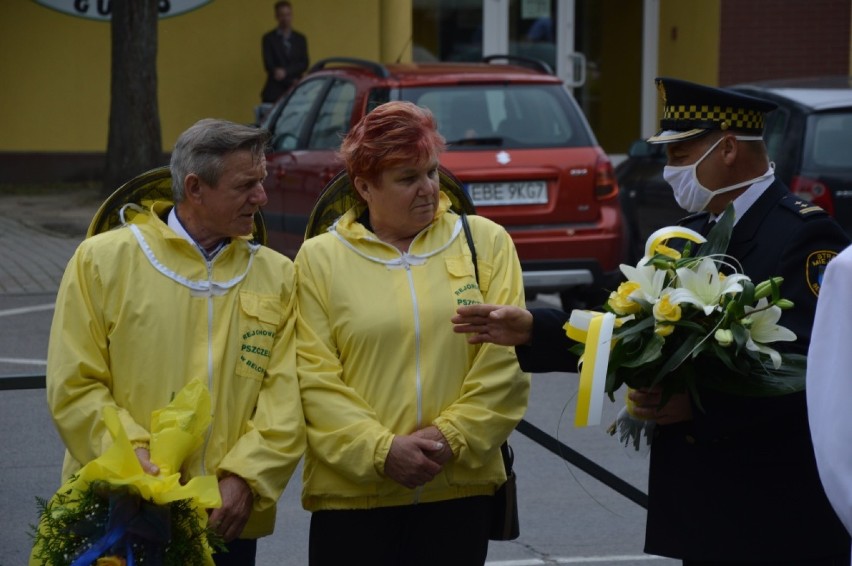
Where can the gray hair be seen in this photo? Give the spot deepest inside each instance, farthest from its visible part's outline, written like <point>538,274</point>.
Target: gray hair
<point>200,150</point>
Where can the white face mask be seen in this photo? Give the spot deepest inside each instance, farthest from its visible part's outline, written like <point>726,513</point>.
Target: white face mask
<point>689,193</point>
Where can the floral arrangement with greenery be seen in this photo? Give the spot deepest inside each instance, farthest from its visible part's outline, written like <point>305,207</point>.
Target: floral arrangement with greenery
<point>684,318</point>
<point>109,525</point>
<point>111,513</point>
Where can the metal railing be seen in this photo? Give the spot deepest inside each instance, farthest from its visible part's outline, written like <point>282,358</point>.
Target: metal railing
<point>10,382</point>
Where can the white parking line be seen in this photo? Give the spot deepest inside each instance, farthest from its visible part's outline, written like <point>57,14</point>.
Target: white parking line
<point>573,560</point>
<point>23,361</point>
<point>27,310</point>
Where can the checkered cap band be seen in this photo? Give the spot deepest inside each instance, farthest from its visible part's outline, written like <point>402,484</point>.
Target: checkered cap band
<point>715,117</point>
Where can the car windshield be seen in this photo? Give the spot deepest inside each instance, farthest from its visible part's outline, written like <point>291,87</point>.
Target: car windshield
<point>505,116</point>
<point>830,141</point>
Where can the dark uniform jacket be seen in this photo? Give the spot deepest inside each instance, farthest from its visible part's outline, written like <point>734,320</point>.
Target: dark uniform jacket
<point>739,481</point>
<point>294,62</point>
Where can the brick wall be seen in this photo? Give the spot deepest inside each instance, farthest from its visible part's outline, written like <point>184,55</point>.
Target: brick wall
<point>773,39</point>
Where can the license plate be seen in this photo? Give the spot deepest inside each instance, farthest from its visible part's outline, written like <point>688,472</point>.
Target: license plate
<point>513,192</point>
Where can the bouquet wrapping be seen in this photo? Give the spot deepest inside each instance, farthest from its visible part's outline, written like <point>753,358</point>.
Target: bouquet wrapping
<point>680,320</point>
<point>112,512</point>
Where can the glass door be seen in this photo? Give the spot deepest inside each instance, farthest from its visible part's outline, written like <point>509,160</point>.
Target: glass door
<point>447,30</point>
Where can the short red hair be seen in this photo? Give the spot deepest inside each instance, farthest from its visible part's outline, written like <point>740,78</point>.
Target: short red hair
<point>393,133</point>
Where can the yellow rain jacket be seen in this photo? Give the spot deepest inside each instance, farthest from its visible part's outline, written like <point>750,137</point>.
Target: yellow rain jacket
<point>378,357</point>
<point>140,313</point>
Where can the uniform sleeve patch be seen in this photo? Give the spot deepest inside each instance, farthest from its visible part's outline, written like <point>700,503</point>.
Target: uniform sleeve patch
<point>815,268</point>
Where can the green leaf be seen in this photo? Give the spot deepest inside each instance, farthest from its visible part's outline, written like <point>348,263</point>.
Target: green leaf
<point>689,380</point>
<point>633,328</point>
<point>758,379</point>
<point>720,235</point>
<point>740,336</point>
<point>724,355</point>
<point>678,357</point>
<point>653,351</point>
<point>577,349</point>
<point>747,296</point>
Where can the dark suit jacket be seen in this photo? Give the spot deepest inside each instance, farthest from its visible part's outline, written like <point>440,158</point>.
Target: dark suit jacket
<point>274,55</point>
<point>739,481</point>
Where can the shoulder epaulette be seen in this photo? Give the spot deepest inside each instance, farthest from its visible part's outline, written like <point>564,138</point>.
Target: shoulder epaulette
<point>801,207</point>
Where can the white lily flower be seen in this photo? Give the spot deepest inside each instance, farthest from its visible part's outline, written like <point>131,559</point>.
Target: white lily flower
<point>764,330</point>
<point>649,278</point>
<point>704,287</point>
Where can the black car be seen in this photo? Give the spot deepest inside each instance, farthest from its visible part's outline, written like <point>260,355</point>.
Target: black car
<point>809,137</point>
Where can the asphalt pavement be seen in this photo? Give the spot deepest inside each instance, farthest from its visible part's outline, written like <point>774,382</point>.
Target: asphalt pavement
<point>567,516</point>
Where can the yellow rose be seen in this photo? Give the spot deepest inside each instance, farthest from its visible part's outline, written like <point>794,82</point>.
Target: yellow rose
<point>110,561</point>
<point>620,301</point>
<point>663,329</point>
<point>665,311</point>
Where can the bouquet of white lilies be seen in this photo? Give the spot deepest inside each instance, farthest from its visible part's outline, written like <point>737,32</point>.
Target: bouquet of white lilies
<point>679,320</point>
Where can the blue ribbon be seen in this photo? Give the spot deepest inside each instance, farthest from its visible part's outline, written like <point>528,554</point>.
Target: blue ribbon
<point>101,546</point>
<point>131,520</point>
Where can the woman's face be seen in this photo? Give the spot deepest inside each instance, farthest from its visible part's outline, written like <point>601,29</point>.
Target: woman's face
<point>403,201</point>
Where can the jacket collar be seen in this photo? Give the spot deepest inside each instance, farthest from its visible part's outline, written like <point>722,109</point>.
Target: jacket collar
<point>433,239</point>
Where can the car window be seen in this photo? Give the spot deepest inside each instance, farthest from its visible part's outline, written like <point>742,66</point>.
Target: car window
<point>334,116</point>
<point>288,125</point>
<point>377,97</point>
<point>774,132</point>
<point>830,141</point>
<point>509,116</point>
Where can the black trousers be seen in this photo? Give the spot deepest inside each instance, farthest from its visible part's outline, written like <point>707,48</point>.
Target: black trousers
<point>453,532</point>
<point>241,552</point>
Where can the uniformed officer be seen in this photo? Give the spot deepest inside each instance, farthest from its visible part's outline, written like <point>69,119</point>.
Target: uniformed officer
<point>736,482</point>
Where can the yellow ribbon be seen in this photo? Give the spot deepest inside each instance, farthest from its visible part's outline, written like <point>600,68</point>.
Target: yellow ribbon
<point>593,329</point>
<point>654,244</point>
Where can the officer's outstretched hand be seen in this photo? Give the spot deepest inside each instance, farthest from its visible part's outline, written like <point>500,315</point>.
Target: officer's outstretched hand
<point>506,325</point>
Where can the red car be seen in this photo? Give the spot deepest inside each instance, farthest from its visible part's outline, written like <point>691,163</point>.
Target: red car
<point>516,140</point>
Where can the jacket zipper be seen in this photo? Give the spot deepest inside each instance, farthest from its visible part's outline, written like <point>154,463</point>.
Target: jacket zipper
<point>418,376</point>
<point>209,369</point>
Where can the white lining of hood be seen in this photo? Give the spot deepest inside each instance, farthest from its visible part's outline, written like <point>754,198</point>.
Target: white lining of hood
<point>405,259</point>
<point>199,287</point>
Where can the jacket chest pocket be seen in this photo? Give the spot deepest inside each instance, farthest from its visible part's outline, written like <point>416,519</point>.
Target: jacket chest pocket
<point>463,284</point>
<point>260,317</point>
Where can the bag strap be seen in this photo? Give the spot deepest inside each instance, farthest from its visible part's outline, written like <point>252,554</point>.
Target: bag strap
<point>469,237</point>
<point>505,450</point>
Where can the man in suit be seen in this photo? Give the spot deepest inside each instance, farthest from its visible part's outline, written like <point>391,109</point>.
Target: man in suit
<point>736,482</point>
<point>285,54</point>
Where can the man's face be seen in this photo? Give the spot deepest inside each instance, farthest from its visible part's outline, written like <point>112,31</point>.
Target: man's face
<point>688,152</point>
<point>284,15</point>
<point>227,209</point>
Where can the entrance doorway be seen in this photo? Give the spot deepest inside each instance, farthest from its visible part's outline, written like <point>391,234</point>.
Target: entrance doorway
<point>595,46</point>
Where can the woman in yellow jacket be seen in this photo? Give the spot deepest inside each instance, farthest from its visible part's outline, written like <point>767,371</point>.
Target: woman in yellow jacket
<point>404,418</point>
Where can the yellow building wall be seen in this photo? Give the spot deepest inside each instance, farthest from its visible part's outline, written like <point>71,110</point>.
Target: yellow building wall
<point>56,67</point>
<point>689,40</point>
<point>621,70</point>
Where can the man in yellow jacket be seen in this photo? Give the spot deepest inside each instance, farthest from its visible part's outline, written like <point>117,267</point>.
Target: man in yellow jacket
<point>182,292</point>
